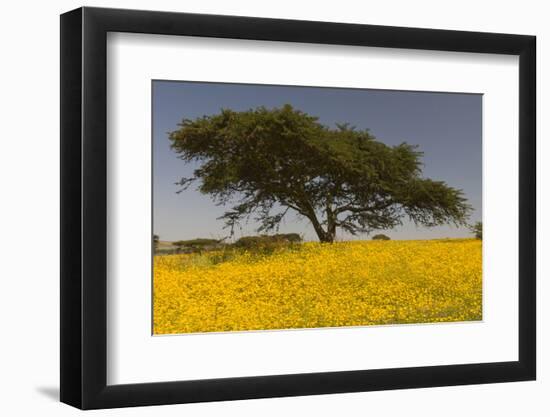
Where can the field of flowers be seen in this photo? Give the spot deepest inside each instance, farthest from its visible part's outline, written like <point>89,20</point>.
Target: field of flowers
<point>312,285</point>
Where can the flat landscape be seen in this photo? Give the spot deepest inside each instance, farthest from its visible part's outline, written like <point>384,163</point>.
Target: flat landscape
<point>312,285</point>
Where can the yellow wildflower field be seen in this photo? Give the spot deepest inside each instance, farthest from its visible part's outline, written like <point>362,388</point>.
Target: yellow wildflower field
<point>311,285</point>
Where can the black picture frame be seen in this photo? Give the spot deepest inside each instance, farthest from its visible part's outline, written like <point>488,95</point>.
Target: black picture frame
<point>84,208</point>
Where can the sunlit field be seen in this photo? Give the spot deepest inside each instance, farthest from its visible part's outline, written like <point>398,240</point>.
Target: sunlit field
<point>311,285</point>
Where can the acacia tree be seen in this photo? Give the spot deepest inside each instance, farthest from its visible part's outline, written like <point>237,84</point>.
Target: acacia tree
<point>477,230</point>
<point>267,162</point>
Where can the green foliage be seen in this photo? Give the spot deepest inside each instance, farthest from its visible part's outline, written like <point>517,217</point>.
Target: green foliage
<point>288,237</point>
<point>265,162</point>
<point>197,245</point>
<point>251,241</point>
<point>380,237</point>
<point>267,243</point>
<point>155,242</point>
<point>196,242</point>
<point>477,230</point>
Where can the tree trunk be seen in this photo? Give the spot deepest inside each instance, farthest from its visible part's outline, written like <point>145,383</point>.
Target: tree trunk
<point>331,224</point>
<point>325,236</point>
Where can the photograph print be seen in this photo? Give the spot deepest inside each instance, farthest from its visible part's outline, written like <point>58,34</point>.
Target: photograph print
<point>296,207</point>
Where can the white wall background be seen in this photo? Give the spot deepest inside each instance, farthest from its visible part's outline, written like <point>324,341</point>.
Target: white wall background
<point>29,175</point>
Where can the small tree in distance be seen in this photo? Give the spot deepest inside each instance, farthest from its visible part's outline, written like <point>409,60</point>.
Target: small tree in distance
<point>195,245</point>
<point>477,230</point>
<point>179,245</point>
<point>267,162</point>
<point>380,237</point>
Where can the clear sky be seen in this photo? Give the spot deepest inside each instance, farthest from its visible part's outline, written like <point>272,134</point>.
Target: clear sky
<point>446,126</point>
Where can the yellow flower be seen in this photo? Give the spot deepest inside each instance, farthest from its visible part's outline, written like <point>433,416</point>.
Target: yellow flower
<point>319,285</point>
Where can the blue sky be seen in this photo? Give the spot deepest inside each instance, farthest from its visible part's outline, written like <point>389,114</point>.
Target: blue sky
<point>446,127</point>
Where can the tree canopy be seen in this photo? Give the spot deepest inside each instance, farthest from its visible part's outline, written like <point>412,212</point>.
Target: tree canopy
<point>380,236</point>
<point>477,230</point>
<point>156,241</point>
<point>267,162</point>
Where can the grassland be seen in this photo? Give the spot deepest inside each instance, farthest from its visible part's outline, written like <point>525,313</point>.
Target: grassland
<point>312,285</point>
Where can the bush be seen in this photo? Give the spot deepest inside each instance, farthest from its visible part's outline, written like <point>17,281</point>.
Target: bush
<point>266,243</point>
<point>197,245</point>
<point>477,230</point>
<point>250,241</point>
<point>380,237</point>
<point>289,237</point>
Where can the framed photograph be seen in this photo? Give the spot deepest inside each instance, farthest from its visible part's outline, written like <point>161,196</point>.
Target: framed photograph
<point>260,208</point>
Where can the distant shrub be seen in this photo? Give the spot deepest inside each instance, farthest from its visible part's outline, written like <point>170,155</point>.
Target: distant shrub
<point>477,230</point>
<point>247,242</point>
<point>289,237</point>
<point>380,237</point>
<point>197,245</point>
<point>250,241</point>
<point>267,243</point>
